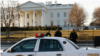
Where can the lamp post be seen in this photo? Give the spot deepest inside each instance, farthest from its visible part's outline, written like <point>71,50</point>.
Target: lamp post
<point>68,29</point>
<point>93,30</point>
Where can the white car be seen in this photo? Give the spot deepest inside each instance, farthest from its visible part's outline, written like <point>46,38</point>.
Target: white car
<point>48,46</point>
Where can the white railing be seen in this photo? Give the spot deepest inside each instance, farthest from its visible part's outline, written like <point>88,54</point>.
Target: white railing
<point>60,5</point>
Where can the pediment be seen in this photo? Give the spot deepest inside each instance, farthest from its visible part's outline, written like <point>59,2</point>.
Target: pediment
<point>30,4</point>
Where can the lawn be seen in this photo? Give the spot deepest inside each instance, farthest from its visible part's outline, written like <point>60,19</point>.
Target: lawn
<point>65,33</point>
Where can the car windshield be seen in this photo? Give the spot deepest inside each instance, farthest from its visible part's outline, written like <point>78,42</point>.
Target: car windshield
<point>77,47</point>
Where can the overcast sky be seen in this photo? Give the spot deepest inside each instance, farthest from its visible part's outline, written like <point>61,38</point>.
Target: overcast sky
<point>89,5</point>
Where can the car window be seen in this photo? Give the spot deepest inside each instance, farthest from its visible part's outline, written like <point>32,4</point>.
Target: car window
<point>50,45</point>
<point>25,46</point>
<point>73,44</point>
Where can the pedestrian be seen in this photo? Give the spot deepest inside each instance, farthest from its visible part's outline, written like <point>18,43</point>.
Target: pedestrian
<point>58,33</point>
<point>73,36</point>
<point>48,33</point>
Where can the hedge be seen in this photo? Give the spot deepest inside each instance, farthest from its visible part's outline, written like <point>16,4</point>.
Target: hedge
<point>31,28</point>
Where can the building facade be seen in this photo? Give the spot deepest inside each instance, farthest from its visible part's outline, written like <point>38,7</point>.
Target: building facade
<point>39,14</point>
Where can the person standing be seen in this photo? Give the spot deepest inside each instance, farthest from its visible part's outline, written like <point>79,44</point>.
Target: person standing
<point>73,36</point>
<point>48,33</point>
<point>58,33</point>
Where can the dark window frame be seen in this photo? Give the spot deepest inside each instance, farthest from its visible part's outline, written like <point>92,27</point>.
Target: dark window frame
<point>64,14</point>
<point>53,44</point>
<point>26,40</point>
<point>28,24</point>
<point>51,15</point>
<point>27,15</point>
<point>58,14</point>
<point>13,24</point>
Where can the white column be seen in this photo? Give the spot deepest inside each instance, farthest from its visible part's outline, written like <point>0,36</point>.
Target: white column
<point>18,19</point>
<point>23,21</point>
<point>42,18</point>
<point>18,23</point>
<point>25,18</point>
<point>33,17</point>
<point>39,19</point>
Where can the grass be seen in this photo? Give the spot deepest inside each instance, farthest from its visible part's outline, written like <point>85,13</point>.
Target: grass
<point>65,33</point>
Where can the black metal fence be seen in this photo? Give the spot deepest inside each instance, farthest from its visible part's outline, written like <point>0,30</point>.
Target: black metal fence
<point>18,33</point>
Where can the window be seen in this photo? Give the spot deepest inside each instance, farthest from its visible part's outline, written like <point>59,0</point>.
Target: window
<point>51,15</point>
<point>27,15</point>
<point>25,46</point>
<point>73,44</point>
<point>58,23</point>
<point>50,45</point>
<point>51,23</point>
<point>13,16</point>
<point>64,14</point>
<point>35,14</point>
<point>19,16</point>
<point>58,14</point>
<point>19,24</point>
<point>7,16</point>
<point>7,24</point>
<point>27,24</point>
<point>13,24</point>
<point>65,23</point>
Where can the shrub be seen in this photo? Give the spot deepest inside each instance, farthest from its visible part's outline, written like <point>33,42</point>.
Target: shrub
<point>35,28</point>
<point>43,28</point>
<point>31,28</point>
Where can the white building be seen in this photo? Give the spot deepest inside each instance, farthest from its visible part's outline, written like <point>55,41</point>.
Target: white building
<point>39,14</point>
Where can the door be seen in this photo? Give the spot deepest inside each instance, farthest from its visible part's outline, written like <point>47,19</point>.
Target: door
<point>24,48</point>
<point>50,47</point>
<point>52,23</point>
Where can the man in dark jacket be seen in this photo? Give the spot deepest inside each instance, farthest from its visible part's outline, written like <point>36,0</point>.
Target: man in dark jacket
<point>73,36</point>
<point>48,33</point>
<point>58,33</point>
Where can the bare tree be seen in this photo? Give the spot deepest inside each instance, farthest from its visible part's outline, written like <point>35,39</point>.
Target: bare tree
<point>9,13</point>
<point>96,16</point>
<point>77,15</point>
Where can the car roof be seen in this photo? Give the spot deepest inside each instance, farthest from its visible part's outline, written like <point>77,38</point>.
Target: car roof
<point>44,38</point>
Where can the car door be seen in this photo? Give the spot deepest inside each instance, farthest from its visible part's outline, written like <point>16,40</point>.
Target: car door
<point>24,48</point>
<point>50,47</point>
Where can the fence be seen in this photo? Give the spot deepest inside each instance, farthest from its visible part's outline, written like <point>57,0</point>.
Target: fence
<point>85,33</point>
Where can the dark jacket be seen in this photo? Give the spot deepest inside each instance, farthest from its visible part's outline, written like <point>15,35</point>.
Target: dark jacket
<point>48,34</point>
<point>73,35</point>
<point>58,34</point>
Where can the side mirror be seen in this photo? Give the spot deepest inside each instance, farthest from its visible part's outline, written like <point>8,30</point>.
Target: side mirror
<point>10,50</point>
